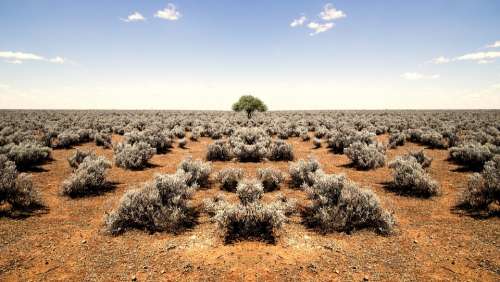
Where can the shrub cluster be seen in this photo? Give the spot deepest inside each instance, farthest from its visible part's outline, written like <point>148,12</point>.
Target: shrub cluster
<point>229,178</point>
<point>134,156</point>
<point>411,178</point>
<point>471,154</point>
<point>421,157</point>
<point>88,178</point>
<point>160,205</point>
<point>77,158</point>
<point>219,151</point>
<point>280,151</point>
<point>17,189</point>
<point>339,140</point>
<point>483,188</point>
<point>197,170</point>
<point>340,205</point>
<point>365,156</point>
<point>103,139</point>
<point>250,219</point>
<point>28,154</point>
<point>270,178</point>
<point>302,172</point>
<point>157,139</point>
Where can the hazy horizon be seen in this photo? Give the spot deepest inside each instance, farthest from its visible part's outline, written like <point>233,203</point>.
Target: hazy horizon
<point>305,55</point>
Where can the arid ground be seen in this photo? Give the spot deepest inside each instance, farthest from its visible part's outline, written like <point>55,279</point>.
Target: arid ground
<point>66,241</point>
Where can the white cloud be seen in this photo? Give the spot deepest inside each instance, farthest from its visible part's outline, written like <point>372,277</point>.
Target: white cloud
<point>169,13</point>
<point>19,57</point>
<point>134,17</point>
<point>298,22</point>
<point>495,44</point>
<point>479,56</point>
<point>57,60</point>
<point>330,13</point>
<point>440,60</point>
<point>9,55</point>
<point>319,27</point>
<point>418,76</point>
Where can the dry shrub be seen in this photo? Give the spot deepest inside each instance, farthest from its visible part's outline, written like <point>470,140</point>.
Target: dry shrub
<point>340,205</point>
<point>365,156</point>
<point>89,178</point>
<point>134,156</point>
<point>199,171</point>
<point>280,151</point>
<point>410,178</point>
<point>471,154</point>
<point>28,154</point>
<point>250,219</point>
<point>483,188</point>
<point>17,189</point>
<point>270,178</point>
<point>219,151</point>
<point>301,172</point>
<point>77,158</point>
<point>229,178</point>
<point>160,205</point>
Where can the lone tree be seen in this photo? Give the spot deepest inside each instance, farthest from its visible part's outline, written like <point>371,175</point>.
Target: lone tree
<point>249,104</point>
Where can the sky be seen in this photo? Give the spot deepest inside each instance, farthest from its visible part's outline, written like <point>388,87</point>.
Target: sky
<point>294,55</point>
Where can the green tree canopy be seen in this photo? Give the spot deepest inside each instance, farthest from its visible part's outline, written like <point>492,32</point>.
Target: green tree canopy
<point>249,104</point>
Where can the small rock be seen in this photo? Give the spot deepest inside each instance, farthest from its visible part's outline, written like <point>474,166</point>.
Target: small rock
<point>366,278</point>
<point>134,278</point>
<point>415,242</point>
<point>84,241</point>
<point>306,237</point>
<point>336,271</point>
<point>145,267</point>
<point>162,271</point>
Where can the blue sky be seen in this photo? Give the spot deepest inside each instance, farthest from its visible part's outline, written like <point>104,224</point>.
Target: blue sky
<point>205,54</point>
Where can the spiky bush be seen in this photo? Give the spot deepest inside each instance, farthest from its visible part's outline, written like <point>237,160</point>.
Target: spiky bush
<point>301,172</point>
<point>339,140</point>
<point>199,171</point>
<point>155,138</point>
<point>421,157</point>
<point>483,188</point>
<point>270,178</point>
<point>280,151</point>
<point>316,143</point>
<point>134,156</point>
<point>103,139</point>
<point>250,144</point>
<point>88,178</point>
<point>67,139</point>
<point>160,205</point>
<point>17,189</point>
<point>77,158</point>
<point>249,191</point>
<point>471,154</point>
<point>218,151</point>
<point>250,219</point>
<point>28,154</point>
<point>229,178</point>
<point>410,178</point>
<point>365,156</point>
<point>397,139</point>
<point>340,205</point>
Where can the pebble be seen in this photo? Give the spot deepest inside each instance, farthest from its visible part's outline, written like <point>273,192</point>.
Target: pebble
<point>366,278</point>
<point>134,278</point>
<point>415,241</point>
<point>84,241</point>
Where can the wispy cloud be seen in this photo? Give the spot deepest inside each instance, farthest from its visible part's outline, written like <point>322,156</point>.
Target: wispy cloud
<point>440,60</point>
<point>298,22</point>
<point>418,76</point>
<point>319,27</point>
<point>325,23</point>
<point>495,44</point>
<point>329,13</point>
<point>134,17</point>
<point>169,13</point>
<point>20,57</point>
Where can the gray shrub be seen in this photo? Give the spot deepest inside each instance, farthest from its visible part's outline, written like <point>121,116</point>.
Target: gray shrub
<point>199,171</point>
<point>365,156</point>
<point>340,205</point>
<point>270,178</point>
<point>134,156</point>
<point>410,178</point>
<point>229,178</point>
<point>301,172</point>
<point>88,178</point>
<point>483,188</point>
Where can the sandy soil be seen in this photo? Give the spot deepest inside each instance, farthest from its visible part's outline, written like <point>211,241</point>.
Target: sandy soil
<point>432,242</point>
